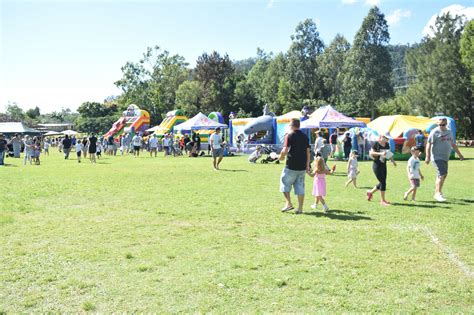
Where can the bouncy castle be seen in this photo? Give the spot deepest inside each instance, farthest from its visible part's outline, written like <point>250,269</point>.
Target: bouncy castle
<point>401,131</point>
<point>134,120</point>
<point>172,118</point>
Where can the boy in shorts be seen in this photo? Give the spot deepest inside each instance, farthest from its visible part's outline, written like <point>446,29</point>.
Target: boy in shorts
<point>414,173</point>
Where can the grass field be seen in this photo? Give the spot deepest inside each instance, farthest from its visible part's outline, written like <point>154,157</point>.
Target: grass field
<point>171,235</point>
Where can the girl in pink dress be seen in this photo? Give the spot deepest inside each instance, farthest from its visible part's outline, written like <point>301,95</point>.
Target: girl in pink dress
<point>319,186</point>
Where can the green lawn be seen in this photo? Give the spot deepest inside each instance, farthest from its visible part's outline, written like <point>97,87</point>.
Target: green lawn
<point>171,235</point>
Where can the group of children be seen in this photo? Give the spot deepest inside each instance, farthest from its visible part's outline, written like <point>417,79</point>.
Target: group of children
<point>320,171</point>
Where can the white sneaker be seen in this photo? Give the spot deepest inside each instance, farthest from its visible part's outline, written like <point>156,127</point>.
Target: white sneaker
<point>314,206</point>
<point>439,198</point>
<point>325,208</point>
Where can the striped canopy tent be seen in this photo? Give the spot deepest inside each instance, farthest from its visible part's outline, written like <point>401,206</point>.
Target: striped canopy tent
<point>199,122</point>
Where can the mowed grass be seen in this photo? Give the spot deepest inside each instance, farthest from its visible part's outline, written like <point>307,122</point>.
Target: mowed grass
<point>172,235</point>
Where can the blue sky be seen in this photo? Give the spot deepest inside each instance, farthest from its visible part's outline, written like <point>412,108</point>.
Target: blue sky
<point>57,54</point>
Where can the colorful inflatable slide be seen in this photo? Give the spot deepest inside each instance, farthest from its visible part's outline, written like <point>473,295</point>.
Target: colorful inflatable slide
<point>173,118</point>
<point>134,120</point>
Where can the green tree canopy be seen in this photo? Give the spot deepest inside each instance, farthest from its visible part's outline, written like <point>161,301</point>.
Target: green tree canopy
<point>368,67</point>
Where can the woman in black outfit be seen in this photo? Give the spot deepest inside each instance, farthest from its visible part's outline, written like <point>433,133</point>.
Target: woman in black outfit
<point>377,153</point>
<point>347,145</point>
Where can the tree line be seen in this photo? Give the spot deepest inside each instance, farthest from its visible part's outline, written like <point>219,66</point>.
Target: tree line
<point>365,78</point>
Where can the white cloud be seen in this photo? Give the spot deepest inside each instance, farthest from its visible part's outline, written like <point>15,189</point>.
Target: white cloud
<point>372,2</point>
<point>349,2</point>
<point>455,9</point>
<point>270,3</point>
<point>395,17</point>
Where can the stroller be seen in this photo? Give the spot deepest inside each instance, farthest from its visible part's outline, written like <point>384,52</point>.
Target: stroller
<point>272,156</point>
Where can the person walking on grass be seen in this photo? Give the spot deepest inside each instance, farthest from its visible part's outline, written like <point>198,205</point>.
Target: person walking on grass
<point>79,146</point>
<point>46,145</point>
<point>296,150</point>
<point>217,150</point>
<point>16,144</point>
<point>352,169</point>
<point>3,149</point>
<point>333,141</point>
<point>67,143</point>
<point>438,150</point>
<point>28,143</point>
<point>414,173</point>
<point>153,142</point>
<point>92,147</point>
<point>319,184</point>
<point>380,152</point>
<point>137,145</point>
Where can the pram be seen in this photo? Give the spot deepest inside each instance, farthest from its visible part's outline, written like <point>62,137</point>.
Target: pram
<point>272,156</point>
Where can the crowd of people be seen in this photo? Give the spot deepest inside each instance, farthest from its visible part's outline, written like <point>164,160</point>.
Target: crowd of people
<point>93,146</point>
<point>297,152</point>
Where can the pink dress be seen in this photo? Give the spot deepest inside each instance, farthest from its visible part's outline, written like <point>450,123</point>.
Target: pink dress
<point>319,185</point>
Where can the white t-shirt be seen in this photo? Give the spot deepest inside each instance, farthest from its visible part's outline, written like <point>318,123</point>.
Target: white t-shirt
<point>79,146</point>
<point>166,142</point>
<point>414,167</point>
<point>318,144</point>
<point>137,141</point>
<point>153,142</point>
<point>46,145</point>
<point>216,141</point>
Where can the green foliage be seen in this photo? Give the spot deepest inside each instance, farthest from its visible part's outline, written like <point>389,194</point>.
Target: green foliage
<point>368,67</point>
<point>152,82</point>
<point>33,113</point>
<point>467,49</point>
<point>442,79</point>
<point>189,97</point>
<point>96,117</point>
<point>215,73</point>
<point>15,112</point>
<point>302,71</point>
<point>331,63</point>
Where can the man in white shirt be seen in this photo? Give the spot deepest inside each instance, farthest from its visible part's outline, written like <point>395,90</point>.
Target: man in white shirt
<point>153,142</point>
<point>216,147</point>
<point>137,145</point>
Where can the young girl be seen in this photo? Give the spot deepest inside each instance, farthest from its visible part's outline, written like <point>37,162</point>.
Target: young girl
<point>414,173</point>
<point>319,186</point>
<point>352,171</point>
<point>99,149</point>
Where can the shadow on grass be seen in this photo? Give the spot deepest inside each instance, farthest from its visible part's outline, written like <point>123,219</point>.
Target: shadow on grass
<point>10,165</point>
<point>419,205</point>
<point>233,171</point>
<point>461,202</point>
<point>339,215</point>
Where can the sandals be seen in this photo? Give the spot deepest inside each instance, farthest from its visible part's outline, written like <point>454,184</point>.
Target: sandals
<point>288,208</point>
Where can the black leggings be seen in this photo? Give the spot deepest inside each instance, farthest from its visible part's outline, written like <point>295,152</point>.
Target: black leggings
<point>347,151</point>
<point>380,171</point>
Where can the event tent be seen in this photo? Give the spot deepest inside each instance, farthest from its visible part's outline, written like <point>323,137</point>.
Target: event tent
<point>17,127</point>
<point>396,125</point>
<point>328,117</point>
<point>52,133</point>
<point>199,122</point>
<point>69,132</point>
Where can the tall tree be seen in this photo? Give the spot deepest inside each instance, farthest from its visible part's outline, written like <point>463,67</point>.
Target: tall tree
<point>368,67</point>
<point>152,82</point>
<point>189,97</point>
<point>96,117</point>
<point>467,49</point>
<point>15,112</point>
<point>303,72</point>
<point>442,80</point>
<point>331,64</point>
<point>216,76</point>
<point>276,71</point>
